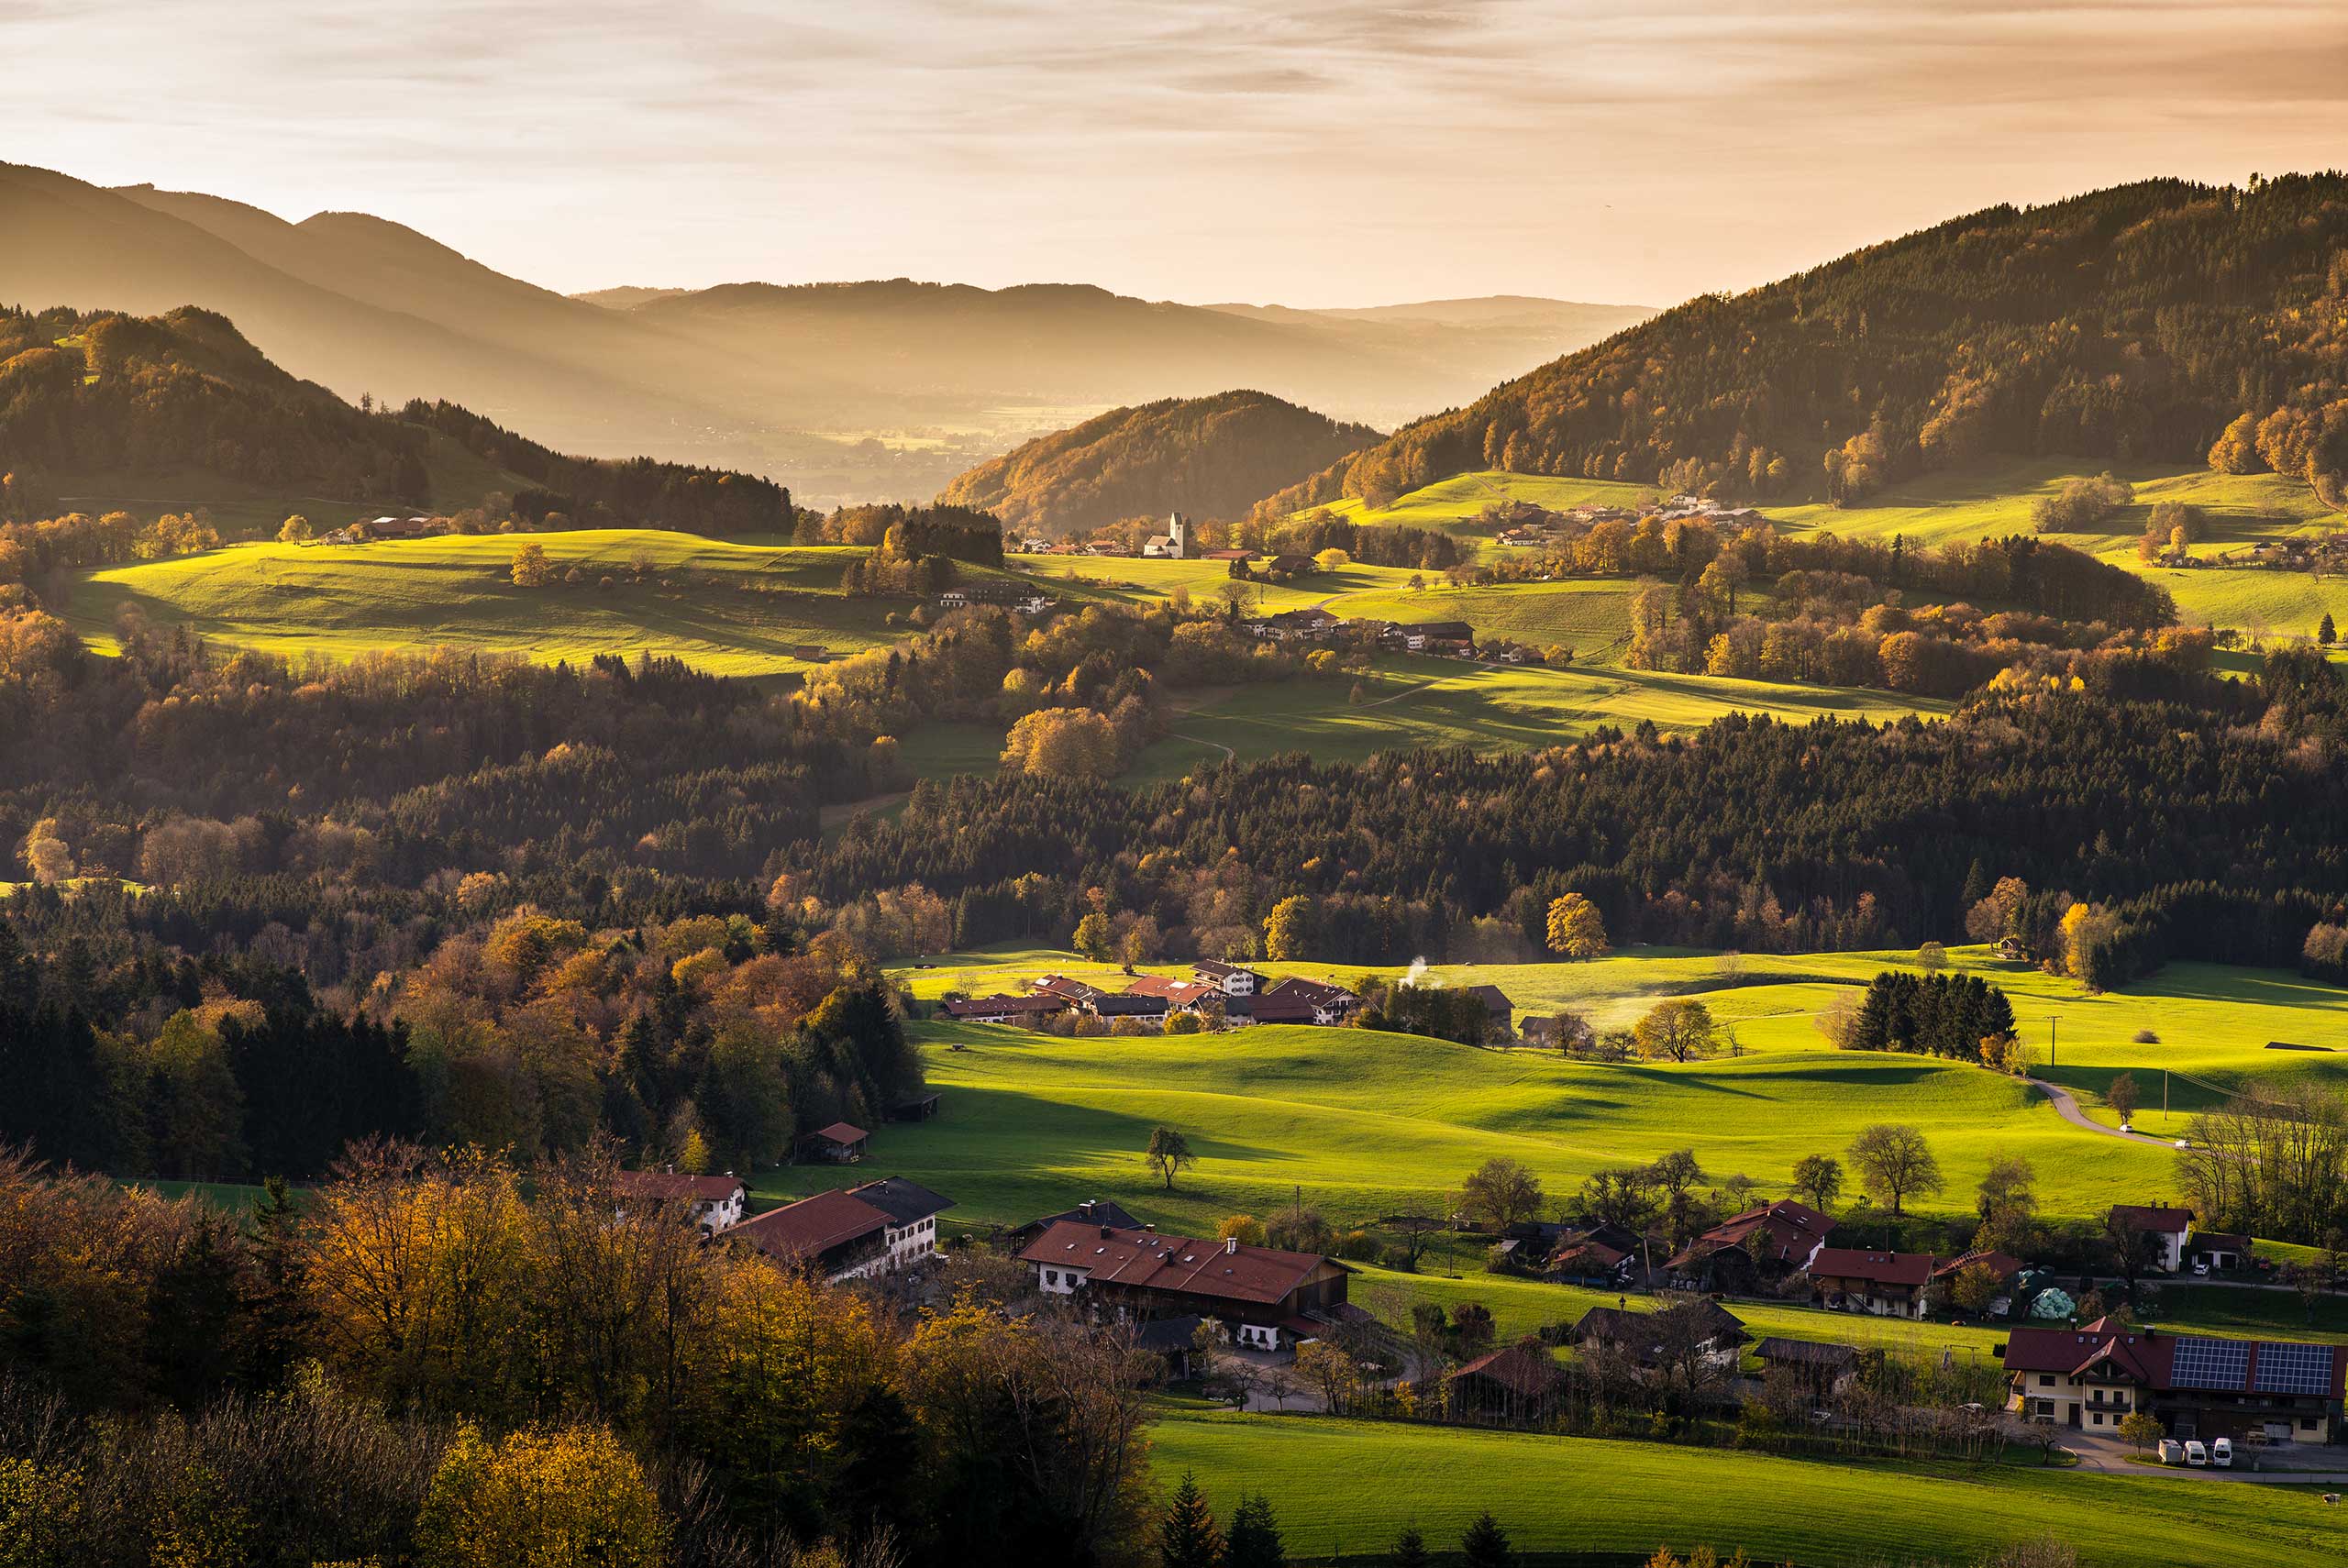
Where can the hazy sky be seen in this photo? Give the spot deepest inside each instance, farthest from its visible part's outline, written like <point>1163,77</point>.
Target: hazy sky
<point>1315,153</point>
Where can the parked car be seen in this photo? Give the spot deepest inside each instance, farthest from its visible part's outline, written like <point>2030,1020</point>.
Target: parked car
<point>2221,1454</point>
<point>2172,1451</point>
<point>2195,1453</point>
<point>2202,1268</point>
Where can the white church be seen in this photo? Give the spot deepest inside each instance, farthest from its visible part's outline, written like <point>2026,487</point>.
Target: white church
<point>1174,544</point>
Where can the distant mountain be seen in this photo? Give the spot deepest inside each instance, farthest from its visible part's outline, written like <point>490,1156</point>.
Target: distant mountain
<point>2133,323</point>
<point>126,396</point>
<point>849,391</point>
<point>1211,456</point>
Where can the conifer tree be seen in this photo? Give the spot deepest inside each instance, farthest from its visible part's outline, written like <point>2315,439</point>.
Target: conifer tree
<point>1187,1536</point>
<point>1255,1540</point>
<point>1486,1544</point>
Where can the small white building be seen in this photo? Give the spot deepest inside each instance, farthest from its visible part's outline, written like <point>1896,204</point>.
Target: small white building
<point>1231,980</point>
<point>2167,1228</point>
<point>715,1202</point>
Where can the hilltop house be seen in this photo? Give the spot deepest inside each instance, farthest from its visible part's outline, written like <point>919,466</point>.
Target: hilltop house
<point>714,1203</point>
<point>1729,1256</point>
<point>2167,1228</point>
<point>1267,1300</point>
<point>2092,1377</point>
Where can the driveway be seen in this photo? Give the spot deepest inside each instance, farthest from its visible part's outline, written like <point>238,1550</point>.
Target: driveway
<point>2276,1466</point>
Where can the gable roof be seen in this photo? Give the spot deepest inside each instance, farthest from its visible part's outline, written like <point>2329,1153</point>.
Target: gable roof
<point>1076,991</point>
<point>677,1186</point>
<point>1914,1269</point>
<point>1295,991</point>
<point>2157,1217</point>
<point>2163,1362</point>
<point>1637,1331</point>
<point>903,1202</point>
<point>1177,993</point>
<point>2004,1266</point>
<point>1143,1260</point>
<point>840,1132</point>
<point>1100,1211</point>
<point>1218,969</point>
<point>1495,1000</point>
<point>1807,1353</point>
<point>1004,1002</point>
<point>810,1227</point>
<point>1794,1229</point>
<point>1523,1370</point>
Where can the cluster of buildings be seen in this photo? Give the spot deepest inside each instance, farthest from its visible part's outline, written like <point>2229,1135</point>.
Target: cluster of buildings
<point>368,529</point>
<point>1444,639</point>
<point>1537,527</point>
<point>874,1228</point>
<point>1228,993</point>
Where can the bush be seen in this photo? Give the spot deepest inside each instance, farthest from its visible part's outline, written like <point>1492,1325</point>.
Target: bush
<point>2146,1037</point>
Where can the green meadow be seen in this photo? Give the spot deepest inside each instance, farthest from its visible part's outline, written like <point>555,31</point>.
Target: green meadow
<point>732,607</point>
<point>1358,1122</point>
<point>1618,1501</point>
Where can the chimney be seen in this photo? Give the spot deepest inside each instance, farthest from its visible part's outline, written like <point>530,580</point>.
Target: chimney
<point>1150,1230</point>
<point>1085,1209</point>
<point>670,1170</point>
<point>1230,1245</point>
<point>1104,1232</point>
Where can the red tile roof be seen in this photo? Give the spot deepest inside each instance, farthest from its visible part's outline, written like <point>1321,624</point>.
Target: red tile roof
<point>2156,1218</point>
<point>1180,993</point>
<point>811,1226</point>
<point>1793,1229</point>
<point>2003,1265</point>
<point>840,1133</point>
<point>1143,1260</point>
<point>1881,1268</point>
<point>1523,1370</point>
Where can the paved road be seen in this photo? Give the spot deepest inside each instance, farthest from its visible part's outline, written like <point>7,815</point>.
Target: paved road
<point>2068,1109</point>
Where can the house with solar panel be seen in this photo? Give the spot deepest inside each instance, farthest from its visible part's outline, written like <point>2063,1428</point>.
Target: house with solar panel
<point>2092,1377</point>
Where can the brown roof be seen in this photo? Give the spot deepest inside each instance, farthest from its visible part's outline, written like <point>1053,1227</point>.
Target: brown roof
<point>1523,1370</point>
<point>1181,993</point>
<point>2004,1266</point>
<point>811,1226</point>
<point>840,1133</point>
<point>1880,1268</point>
<point>2142,1355</point>
<point>675,1186</point>
<point>1793,1229</point>
<point>983,1006</point>
<point>1144,1259</point>
<point>1295,991</point>
<point>2156,1218</point>
<point>1807,1353</point>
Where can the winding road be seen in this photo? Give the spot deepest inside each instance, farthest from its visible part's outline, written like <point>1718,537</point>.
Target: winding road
<point>2068,1109</point>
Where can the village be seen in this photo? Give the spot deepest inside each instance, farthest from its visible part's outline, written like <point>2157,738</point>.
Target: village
<point>1701,1333</point>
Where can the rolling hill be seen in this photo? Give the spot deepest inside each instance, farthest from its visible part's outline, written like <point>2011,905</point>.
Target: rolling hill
<point>1213,456</point>
<point>846,391</point>
<point>2129,324</point>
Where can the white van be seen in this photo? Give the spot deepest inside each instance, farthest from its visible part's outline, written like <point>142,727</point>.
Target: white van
<point>2195,1453</point>
<point>2221,1453</point>
<point>2172,1451</point>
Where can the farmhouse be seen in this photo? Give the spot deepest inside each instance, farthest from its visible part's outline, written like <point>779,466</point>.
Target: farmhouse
<point>840,1143</point>
<point>876,1229</point>
<point>1308,624</point>
<point>1003,1008</point>
<point>1178,995</point>
<point>2216,1250</point>
<point>1496,1003</point>
<point>1289,566</point>
<point>1438,637</point>
<point>1295,1000</point>
<point>1230,978</point>
<point>1650,1339</point>
<point>2092,1377</point>
<point>715,1202</point>
<point>1727,1254</point>
<point>2167,1228</point>
<point>1077,994</point>
<point>1269,1299</point>
<point>1889,1284</point>
<point>1091,1211</point>
<point>2007,1269</point>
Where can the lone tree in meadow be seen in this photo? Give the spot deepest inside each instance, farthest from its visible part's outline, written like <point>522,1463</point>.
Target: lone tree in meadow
<point>296,530</point>
<point>531,568</point>
<point>1678,1029</point>
<point>1895,1164</point>
<point>1818,1179</point>
<point>2122,1096</point>
<point>1502,1193</point>
<point>1168,1154</point>
<point>1576,929</point>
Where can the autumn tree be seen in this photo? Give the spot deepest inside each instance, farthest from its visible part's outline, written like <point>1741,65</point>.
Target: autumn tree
<point>541,1498</point>
<point>1169,1154</point>
<point>296,530</point>
<point>1091,937</point>
<point>1288,930</point>
<point>1895,1164</point>
<point>2121,1094</point>
<point>1975,1287</point>
<point>1677,1029</point>
<point>2141,1429</point>
<point>1063,743</point>
<point>1330,1371</point>
<point>1575,928</point>
<point>531,568</point>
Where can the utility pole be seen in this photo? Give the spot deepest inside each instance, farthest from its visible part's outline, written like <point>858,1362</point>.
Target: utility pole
<point>2164,1091</point>
<point>2051,1019</point>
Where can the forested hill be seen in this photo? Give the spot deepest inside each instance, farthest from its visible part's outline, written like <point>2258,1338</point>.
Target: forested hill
<point>1213,456</point>
<point>102,392</point>
<point>2140,322</point>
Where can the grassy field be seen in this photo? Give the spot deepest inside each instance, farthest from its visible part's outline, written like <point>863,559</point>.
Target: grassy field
<point>1453,504</point>
<point>1431,701</point>
<point>729,606</point>
<point>1578,1495</point>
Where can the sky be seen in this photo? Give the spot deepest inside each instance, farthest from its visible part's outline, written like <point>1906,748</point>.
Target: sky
<point>1317,152</point>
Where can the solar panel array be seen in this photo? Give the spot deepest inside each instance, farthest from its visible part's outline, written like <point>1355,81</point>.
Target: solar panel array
<point>2295,1369</point>
<point>2212,1363</point>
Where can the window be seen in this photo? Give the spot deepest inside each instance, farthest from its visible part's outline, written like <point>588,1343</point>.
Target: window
<point>1051,1276</point>
<point>2046,1380</point>
<point>2307,1423</point>
<point>2099,1418</point>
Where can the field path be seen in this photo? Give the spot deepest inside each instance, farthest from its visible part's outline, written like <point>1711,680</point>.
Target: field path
<point>2068,1109</point>
<point>1228,754</point>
